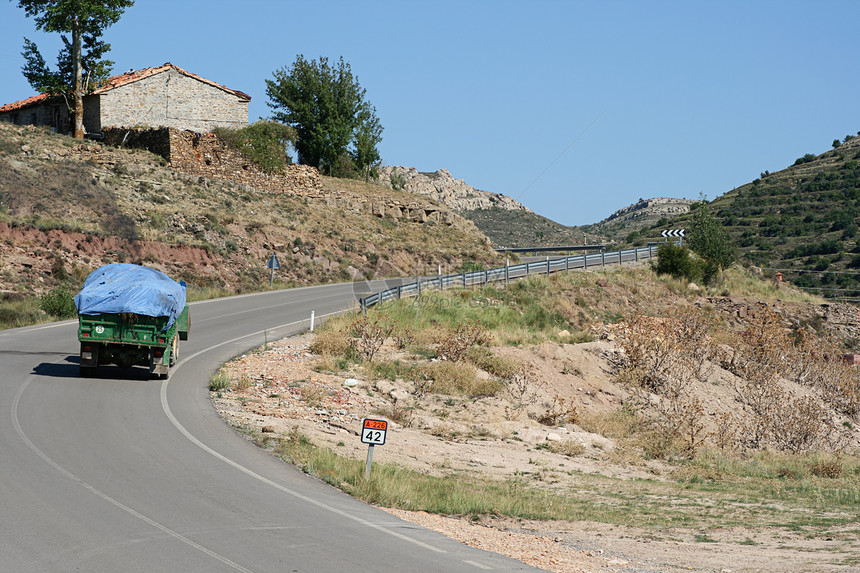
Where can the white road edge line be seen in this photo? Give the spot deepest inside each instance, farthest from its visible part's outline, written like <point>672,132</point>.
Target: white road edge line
<point>166,407</point>
<point>178,536</point>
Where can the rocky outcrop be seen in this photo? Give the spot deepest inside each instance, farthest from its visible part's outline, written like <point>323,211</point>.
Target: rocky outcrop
<point>658,207</point>
<point>441,186</point>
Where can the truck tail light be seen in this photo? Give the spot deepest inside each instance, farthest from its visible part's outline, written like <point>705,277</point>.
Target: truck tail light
<point>158,352</point>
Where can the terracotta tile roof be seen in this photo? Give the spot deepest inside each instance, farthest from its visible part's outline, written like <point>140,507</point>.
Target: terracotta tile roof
<point>125,79</point>
<point>135,75</point>
<point>24,103</point>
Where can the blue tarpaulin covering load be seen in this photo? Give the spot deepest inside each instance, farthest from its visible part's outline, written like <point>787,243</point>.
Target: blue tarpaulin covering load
<point>121,287</point>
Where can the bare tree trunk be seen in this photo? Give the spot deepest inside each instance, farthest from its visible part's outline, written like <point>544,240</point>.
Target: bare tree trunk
<point>79,88</point>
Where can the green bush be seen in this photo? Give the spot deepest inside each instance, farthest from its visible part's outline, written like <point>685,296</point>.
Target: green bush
<point>264,143</point>
<point>675,260</point>
<point>59,302</point>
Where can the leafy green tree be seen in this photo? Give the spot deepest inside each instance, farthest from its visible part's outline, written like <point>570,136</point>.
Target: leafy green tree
<point>368,135</point>
<point>80,24</point>
<point>708,238</point>
<point>327,107</point>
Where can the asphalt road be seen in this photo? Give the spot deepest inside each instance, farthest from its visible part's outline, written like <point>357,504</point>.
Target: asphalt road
<point>119,473</point>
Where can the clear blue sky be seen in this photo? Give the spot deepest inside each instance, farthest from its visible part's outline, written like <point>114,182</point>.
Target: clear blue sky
<point>576,109</point>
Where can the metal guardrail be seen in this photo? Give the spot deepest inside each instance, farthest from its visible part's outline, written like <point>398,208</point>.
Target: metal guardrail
<point>550,249</point>
<point>508,273</point>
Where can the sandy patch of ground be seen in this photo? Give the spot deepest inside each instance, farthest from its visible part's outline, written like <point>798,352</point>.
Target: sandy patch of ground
<point>494,438</point>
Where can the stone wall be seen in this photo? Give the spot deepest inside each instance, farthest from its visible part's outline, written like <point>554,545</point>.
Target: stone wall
<point>53,113</point>
<point>155,139</point>
<point>169,99</point>
<point>206,155</point>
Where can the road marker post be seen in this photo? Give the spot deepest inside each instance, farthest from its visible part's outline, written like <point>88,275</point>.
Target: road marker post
<point>373,434</point>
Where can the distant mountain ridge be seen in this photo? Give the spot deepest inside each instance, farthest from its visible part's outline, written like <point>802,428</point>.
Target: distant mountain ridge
<point>441,186</point>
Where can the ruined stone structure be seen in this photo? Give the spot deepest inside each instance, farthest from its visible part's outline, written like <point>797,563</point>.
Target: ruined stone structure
<point>164,96</point>
<point>206,155</point>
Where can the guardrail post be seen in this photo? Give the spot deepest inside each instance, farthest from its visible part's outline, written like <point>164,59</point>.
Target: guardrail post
<point>507,272</point>
<point>603,258</point>
<point>567,262</point>
<point>620,260</point>
<point>547,264</point>
<point>363,307</point>
<point>585,260</point>
<point>486,277</point>
<point>464,280</point>
<point>636,250</point>
<point>399,291</point>
<point>418,282</point>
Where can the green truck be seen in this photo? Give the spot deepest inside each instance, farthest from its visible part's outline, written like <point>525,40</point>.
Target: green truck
<point>130,315</point>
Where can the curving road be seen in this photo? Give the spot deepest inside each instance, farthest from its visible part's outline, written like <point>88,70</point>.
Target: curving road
<point>120,473</point>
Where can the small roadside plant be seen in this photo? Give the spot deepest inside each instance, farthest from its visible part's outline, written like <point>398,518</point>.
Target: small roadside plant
<point>59,302</point>
<point>219,381</point>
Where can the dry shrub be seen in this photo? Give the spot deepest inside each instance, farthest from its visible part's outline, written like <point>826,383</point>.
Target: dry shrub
<point>665,355</point>
<point>819,367</point>
<point>617,424</point>
<point>400,414</point>
<point>827,468</point>
<point>725,430</point>
<point>330,343</point>
<point>444,377</point>
<point>762,351</point>
<point>569,448</point>
<point>403,337</point>
<point>491,363</point>
<point>777,418</point>
<point>766,352</point>
<point>800,425</point>
<point>313,395</point>
<point>682,420</point>
<point>244,382</point>
<point>522,385</point>
<point>454,345</point>
<point>559,412</point>
<point>368,335</point>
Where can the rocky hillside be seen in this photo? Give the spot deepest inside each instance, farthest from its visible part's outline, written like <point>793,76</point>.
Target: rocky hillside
<point>507,228</point>
<point>442,187</point>
<point>644,213</point>
<point>801,221</point>
<point>66,207</point>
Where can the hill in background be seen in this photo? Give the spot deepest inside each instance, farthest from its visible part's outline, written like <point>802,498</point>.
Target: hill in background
<point>801,221</point>
<point>645,213</point>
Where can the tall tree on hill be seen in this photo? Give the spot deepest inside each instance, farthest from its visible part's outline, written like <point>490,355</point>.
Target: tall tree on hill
<point>80,24</point>
<point>365,153</point>
<point>327,107</point>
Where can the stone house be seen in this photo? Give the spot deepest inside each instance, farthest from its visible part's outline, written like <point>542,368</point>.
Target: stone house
<point>164,96</point>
